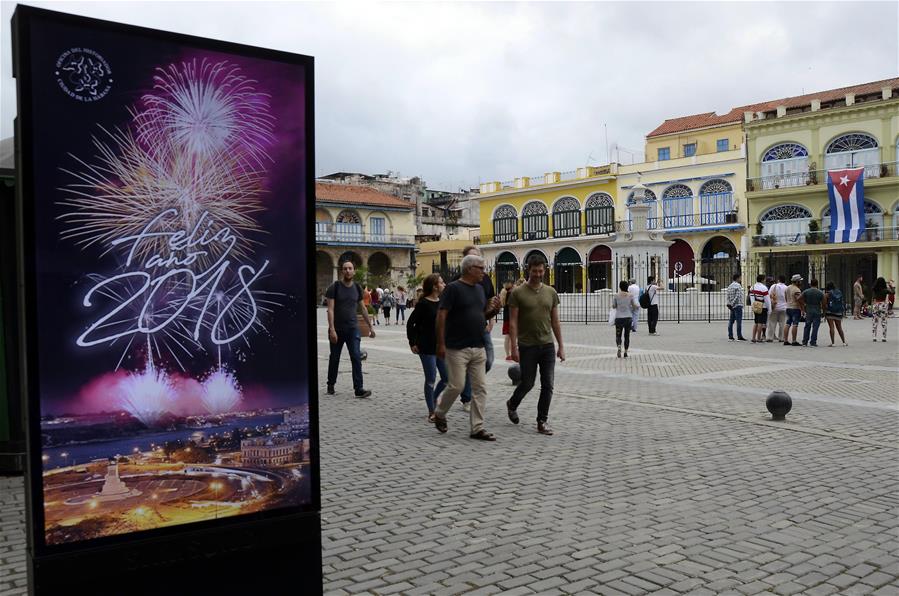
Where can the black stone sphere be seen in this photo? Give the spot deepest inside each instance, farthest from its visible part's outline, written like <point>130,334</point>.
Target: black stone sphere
<point>515,374</point>
<point>779,404</point>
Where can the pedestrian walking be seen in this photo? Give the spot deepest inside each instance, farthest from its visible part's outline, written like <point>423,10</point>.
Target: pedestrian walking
<point>858,297</point>
<point>761,305</point>
<point>651,294</point>
<point>879,293</point>
<point>625,305</point>
<point>344,302</point>
<point>634,290</point>
<point>461,321</point>
<point>534,320</point>
<point>421,331</point>
<point>400,304</point>
<point>794,312</point>
<point>735,298</point>
<point>812,303</point>
<point>777,318</point>
<point>834,309</point>
<point>504,302</point>
<point>489,293</point>
<point>387,302</point>
<point>891,297</point>
<point>376,304</point>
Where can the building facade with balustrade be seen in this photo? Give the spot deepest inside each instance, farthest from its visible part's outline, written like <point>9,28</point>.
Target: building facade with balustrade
<point>790,147</point>
<point>373,229</point>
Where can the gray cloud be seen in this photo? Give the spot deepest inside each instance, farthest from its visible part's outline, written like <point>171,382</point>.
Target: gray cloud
<point>461,93</point>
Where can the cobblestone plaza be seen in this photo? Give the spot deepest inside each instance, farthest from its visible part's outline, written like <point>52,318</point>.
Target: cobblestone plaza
<point>666,474</point>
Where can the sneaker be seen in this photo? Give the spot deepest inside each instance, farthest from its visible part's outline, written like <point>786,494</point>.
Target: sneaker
<point>786,343</point>
<point>625,353</point>
<point>730,338</point>
<point>330,389</point>
<point>440,423</point>
<point>875,339</point>
<point>362,393</point>
<point>466,407</point>
<point>544,429</point>
<point>741,339</point>
<point>884,340</point>
<point>513,415</point>
<point>768,341</point>
<point>795,343</point>
<point>619,351</point>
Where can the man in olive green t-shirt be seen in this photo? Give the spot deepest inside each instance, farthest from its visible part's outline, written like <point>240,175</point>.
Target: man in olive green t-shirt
<point>533,320</point>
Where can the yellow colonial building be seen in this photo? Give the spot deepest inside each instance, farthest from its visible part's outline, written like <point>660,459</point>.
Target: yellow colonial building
<point>568,217</point>
<point>792,143</point>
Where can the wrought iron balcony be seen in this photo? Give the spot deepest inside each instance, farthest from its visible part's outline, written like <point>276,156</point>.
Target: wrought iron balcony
<point>822,236</point>
<point>814,177</point>
<point>348,234</point>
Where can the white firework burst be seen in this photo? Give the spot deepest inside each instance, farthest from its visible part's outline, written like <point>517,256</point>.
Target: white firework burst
<point>130,185</point>
<point>207,109</point>
<point>147,395</point>
<point>221,392</point>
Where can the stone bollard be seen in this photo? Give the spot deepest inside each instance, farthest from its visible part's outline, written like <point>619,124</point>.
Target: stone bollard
<point>779,404</point>
<point>515,374</point>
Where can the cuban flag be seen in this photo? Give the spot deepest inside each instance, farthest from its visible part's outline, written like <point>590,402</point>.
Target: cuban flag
<point>847,204</point>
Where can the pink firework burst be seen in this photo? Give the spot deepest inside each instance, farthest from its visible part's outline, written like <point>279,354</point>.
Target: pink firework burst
<point>148,395</point>
<point>207,109</point>
<point>221,393</point>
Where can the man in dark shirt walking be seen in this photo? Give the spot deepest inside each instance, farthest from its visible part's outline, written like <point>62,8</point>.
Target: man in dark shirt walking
<point>812,301</point>
<point>344,302</point>
<point>461,321</point>
<point>533,320</point>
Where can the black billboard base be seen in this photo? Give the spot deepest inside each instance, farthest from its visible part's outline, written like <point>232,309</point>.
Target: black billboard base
<point>258,557</point>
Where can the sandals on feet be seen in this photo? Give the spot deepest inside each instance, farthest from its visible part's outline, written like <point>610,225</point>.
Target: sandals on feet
<point>483,435</point>
<point>440,423</point>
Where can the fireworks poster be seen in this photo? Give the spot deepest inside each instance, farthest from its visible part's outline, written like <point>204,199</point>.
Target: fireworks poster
<point>165,224</point>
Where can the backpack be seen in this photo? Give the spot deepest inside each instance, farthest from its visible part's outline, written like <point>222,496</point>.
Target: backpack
<point>334,286</point>
<point>758,306</point>
<point>645,300</point>
<point>835,303</point>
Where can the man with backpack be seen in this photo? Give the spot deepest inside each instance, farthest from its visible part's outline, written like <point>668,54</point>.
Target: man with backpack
<point>344,301</point>
<point>760,302</point>
<point>649,300</point>
<point>777,318</point>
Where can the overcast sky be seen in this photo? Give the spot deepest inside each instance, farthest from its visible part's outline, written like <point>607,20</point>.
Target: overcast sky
<point>464,93</point>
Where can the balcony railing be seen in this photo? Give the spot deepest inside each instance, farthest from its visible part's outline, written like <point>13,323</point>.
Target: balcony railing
<point>678,222</point>
<point>813,177</point>
<point>357,234</point>
<point>875,234</point>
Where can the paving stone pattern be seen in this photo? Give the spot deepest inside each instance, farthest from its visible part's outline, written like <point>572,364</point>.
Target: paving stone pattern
<point>666,476</point>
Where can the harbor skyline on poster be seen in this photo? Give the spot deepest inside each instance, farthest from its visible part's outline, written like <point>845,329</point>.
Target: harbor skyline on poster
<point>170,242</point>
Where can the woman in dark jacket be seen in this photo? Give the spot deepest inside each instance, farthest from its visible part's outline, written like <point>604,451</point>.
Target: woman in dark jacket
<point>422,335</point>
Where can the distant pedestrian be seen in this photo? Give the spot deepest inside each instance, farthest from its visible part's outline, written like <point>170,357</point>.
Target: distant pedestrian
<point>344,302</point>
<point>387,302</point>
<point>652,301</point>
<point>400,304</point>
<point>777,318</point>
<point>376,304</point>
<point>858,297</point>
<point>421,332</point>
<point>504,302</point>
<point>760,303</point>
<point>533,321</point>
<point>419,293</point>
<point>891,296</point>
<point>634,290</point>
<point>794,311</point>
<point>812,302</point>
<point>834,310</point>
<point>461,323</point>
<point>879,293</point>
<point>735,298</point>
<point>625,305</point>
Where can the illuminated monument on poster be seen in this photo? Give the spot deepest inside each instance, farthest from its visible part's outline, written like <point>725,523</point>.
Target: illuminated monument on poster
<point>165,211</point>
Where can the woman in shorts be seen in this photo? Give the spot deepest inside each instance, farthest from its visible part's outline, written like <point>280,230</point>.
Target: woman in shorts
<point>833,311</point>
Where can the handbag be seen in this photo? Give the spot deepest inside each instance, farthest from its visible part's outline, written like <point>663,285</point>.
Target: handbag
<point>612,317</point>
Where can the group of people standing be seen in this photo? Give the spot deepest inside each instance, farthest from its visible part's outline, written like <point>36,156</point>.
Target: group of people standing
<point>375,300</point>
<point>778,309</point>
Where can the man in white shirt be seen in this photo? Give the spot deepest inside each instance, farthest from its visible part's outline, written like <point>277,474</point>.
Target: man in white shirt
<point>634,290</point>
<point>652,313</point>
<point>777,318</point>
<point>759,295</point>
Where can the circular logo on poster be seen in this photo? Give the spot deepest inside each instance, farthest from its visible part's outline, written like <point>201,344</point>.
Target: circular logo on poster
<point>83,74</point>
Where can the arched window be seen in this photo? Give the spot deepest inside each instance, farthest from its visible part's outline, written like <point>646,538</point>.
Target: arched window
<point>600,214</point>
<point>652,219</point>
<point>787,223</point>
<point>853,150</point>
<point>784,165</point>
<point>716,200</point>
<point>348,227</point>
<point>505,224</point>
<point>873,216</point>
<point>677,206</point>
<point>534,221</point>
<point>566,218</point>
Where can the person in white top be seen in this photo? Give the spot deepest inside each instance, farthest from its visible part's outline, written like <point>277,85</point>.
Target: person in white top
<point>634,290</point>
<point>777,316</point>
<point>759,295</point>
<point>652,313</point>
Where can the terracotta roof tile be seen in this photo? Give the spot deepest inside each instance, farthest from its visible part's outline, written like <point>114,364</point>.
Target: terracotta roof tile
<point>357,195</point>
<point>708,119</point>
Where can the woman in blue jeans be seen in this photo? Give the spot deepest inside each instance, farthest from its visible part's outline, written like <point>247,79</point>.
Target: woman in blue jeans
<point>421,332</point>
